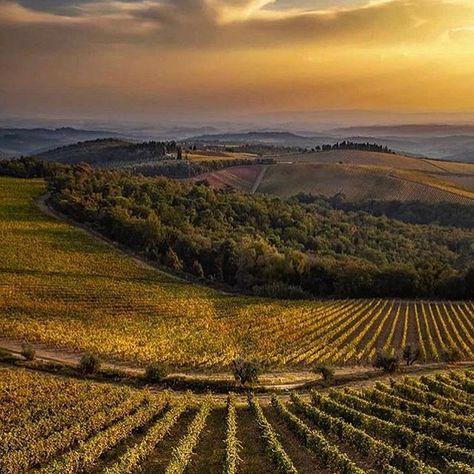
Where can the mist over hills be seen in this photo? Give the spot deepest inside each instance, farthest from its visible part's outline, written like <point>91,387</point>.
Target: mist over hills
<point>434,141</point>
<point>428,130</point>
<point>449,141</point>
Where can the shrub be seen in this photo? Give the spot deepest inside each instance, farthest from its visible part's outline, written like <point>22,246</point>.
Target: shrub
<point>28,351</point>
<point>387,361</point>
<point>245,371</point>
<point>155,373</point>
<point>89,364</point>
<point>7,357</point>
<point>451,354</point>
<point>326,371</point>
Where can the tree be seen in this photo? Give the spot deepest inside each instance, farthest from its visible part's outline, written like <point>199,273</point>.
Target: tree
<point>197,269</point>
<point>173,261</point>
<point>397,280</point>
<point>326,371</point>
<point>245,371</point>
<point>469,283</point>
<point>410,354</point>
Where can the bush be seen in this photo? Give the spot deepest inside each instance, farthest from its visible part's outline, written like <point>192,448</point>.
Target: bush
<point>155,373</point>
<point>7,357</point>
<point>89,364</point>
<point>28,351</point>
<point>451,354</point>
<point>387,361</point>
<point>326,371</point>
<point>245,371</point>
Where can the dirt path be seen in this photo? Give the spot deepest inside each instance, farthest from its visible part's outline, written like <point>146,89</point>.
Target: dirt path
<point>259,179</point>
<point>282,381</point>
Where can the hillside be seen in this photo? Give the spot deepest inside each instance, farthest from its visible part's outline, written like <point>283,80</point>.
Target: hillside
<point>110,152</point>
<point>25,141</point>
<point>66,289</point>
<point>357,174</point>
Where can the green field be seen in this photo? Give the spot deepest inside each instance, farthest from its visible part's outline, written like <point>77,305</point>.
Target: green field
<point>61,287</point>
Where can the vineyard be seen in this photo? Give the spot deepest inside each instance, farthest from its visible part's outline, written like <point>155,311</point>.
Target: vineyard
<point>57,425</point>
<point>60,286</point>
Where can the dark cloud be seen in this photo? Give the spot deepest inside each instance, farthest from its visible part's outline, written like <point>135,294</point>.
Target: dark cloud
<point>204,24</point>
<point>59,7</point>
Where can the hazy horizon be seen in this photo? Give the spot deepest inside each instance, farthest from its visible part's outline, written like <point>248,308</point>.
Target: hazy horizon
<point>323,121</point>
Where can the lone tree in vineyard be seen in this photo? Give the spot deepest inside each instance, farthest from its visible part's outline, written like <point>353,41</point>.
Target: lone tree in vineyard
<point>245,371</point>
<point>410,354</point>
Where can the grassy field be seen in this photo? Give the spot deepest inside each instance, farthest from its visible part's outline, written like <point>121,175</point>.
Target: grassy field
<point>51,424</point>
<point>359,175</point>
<point>61,287</point>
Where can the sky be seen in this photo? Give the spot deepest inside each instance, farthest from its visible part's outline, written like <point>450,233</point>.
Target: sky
<point>208,59</point>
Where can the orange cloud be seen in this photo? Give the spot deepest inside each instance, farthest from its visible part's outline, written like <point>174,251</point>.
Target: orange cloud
<point>235,55</point>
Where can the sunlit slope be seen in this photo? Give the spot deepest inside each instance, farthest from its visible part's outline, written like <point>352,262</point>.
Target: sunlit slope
<point>361,182</point>
<point>61,287</point>
<point>363,158</point>
<point>357,174</point>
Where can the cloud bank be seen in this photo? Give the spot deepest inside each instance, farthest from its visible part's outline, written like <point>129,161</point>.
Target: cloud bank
<point>155,52</point>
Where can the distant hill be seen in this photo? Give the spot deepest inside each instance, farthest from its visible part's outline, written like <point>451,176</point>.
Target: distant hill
<point>23,141</point>
<point>272,138</point>
<point>110,152</point>
<point>360,175</point>
<point>430,130</point>
<point>447,142</point>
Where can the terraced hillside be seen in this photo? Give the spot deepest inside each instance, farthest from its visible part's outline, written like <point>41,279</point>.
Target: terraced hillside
<point>54,425</point>
<point>61,287</point>
<point>359,175</point>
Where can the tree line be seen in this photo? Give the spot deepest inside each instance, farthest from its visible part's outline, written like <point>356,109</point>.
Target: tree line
<point>448,214</point>
<point>348,145</point>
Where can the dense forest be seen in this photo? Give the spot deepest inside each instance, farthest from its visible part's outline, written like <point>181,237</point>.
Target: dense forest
<point>260,244</point>
<point>414,212</point>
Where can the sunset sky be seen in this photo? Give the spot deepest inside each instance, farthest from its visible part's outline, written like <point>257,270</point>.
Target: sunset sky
<point>218,58</point>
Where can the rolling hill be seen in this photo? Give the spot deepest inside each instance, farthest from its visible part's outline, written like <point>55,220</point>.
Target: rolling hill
<point>26,141</point>
<point>357,174</point>
<point>109,152</point>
